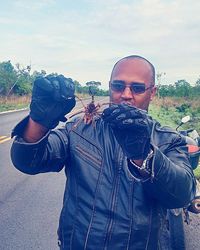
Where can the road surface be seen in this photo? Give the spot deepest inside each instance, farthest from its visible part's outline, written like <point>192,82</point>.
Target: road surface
<point>29,205</point>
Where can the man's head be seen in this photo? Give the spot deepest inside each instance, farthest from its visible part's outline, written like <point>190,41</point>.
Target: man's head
<point>133,82</point>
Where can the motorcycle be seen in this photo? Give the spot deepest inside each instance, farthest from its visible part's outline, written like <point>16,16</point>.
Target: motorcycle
<point>176,218</point>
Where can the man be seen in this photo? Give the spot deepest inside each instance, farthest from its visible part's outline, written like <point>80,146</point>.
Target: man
<point>121,173</point>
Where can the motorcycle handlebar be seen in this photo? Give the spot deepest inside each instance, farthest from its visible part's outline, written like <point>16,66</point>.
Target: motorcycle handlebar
<point>186,132</point>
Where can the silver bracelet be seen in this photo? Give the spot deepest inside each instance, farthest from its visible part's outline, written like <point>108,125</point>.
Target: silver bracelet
<point>145,165</point>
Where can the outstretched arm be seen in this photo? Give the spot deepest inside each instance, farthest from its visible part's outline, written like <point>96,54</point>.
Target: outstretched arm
<point>36,148</point>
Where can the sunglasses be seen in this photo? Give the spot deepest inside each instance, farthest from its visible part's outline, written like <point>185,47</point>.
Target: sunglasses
<point>135,87</point>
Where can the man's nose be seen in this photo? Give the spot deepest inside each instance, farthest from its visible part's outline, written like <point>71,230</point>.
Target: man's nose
<point>127,94</point>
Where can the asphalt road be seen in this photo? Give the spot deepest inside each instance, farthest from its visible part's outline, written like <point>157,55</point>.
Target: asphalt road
<point>30,205</point>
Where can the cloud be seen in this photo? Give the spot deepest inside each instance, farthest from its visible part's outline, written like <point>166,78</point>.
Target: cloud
<point>85,38</point>
<point>33,5</point>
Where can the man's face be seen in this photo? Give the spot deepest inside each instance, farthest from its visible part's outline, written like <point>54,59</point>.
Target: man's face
<point>130,71</point>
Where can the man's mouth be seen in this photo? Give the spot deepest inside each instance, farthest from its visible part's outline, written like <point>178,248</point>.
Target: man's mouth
<point>127,103</point>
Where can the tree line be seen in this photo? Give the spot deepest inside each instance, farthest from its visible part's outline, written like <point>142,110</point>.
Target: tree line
<point>180,88</point>
<point>18,80</point>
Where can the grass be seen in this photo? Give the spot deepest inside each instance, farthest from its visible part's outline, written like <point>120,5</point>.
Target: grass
<point>13,102</point>
<point>19,102</point>
<point>197,172</point>
<point>169,111</point>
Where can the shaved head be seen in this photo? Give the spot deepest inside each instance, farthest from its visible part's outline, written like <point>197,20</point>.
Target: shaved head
<point>127,72</point>
<point>138,58</point>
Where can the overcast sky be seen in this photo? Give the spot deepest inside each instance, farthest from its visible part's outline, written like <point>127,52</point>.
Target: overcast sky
<point>83,39</point>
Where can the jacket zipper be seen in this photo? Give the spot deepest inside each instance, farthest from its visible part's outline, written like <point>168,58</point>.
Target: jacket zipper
<point>150,223</point>
<point>108,234</point>
<point>131,217</point>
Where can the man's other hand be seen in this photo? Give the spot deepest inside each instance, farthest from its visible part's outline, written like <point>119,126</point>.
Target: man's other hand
<point>132,128</point>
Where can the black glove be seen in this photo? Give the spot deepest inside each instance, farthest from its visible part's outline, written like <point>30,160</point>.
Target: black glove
<point>52,99</point>
<point>132,128</point>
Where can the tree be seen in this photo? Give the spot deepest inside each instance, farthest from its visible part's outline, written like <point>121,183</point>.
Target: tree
<point>198,82</point>
<point>167,90</point>
<point>93,84</point>
<point>93,87</point>
<point>38,73</point>
<point>23,84</point>
<point>196,88</point>
<point>8,77</point>
<point>183,88</point>
<point>78,87</point>
<point>159,76</point>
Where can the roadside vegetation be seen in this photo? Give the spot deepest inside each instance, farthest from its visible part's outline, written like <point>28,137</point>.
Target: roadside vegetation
<point>173,101</point>
<point>14,102</point>
<point>169,111</point>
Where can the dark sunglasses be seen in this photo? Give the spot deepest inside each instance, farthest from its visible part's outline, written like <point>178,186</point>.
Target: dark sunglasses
<point>135,87</point>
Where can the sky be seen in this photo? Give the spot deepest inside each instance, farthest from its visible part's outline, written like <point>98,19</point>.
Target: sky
<point>83,39</point>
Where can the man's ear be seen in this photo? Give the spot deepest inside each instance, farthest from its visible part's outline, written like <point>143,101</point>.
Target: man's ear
<point>153,92</point>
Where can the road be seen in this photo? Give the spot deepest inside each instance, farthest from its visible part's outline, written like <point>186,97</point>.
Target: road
<point>30,205</point>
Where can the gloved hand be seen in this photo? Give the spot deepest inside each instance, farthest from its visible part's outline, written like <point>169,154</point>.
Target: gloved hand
<point>52,99</point>
<point>132,128</point>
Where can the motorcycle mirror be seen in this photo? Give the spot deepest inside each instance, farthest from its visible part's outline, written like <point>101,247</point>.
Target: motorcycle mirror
<point>185,119</point>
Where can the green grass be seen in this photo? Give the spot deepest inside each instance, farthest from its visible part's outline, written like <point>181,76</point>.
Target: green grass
<point>163,116</point>
<point>170,111</point>
<point>14,102</point>
<point>19,102</point>
<point>7,107</point>
<point>169,115</point>
<point>197,172</point>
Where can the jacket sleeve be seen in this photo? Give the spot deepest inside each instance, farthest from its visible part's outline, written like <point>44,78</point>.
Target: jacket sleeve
<point>47,155</point>
<point>172,181</point>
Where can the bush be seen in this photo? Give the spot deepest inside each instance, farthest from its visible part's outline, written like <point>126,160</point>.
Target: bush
<point>183,108</point>
<point>22,88</point>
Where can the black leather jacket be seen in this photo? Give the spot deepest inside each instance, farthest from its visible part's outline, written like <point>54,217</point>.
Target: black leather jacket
<point>105,206</point>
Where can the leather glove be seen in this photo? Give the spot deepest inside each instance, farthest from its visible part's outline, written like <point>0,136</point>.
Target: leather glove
<point>52,99</point>
<point>132,128</point>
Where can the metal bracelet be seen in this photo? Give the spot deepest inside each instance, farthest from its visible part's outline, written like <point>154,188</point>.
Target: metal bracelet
<point>145,165</point>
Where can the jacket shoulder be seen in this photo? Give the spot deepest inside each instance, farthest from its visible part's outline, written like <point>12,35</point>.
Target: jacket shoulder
<point>163,135</point>
<point>164,129</point>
